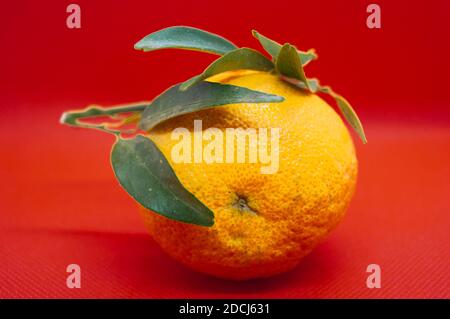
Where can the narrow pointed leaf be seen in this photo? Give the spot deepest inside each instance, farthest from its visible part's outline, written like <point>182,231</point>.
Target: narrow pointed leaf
<point>288,64</point>
<point>307,56</point>
<point>188,38</point>
<point>239,59</point>
<point>273,48</point>
<point>144,173</point>
<point>313,85</point>
<point>347,111</point>
<point>350,116</point>
<point>203,95</point>
<point>72,118</point>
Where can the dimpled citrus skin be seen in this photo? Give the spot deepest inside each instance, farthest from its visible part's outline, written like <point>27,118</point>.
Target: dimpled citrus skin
<point>284,215</point>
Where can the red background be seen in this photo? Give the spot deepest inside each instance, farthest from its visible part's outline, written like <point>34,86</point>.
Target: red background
<point>59,201</point>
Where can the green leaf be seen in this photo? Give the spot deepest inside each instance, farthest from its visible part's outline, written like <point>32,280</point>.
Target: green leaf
<point>273,48</point>
<point>347,111</point>
<point>288,64</point>
<point>174,102</point>
<point>313,85</point>
<point>239,59</point>
<point>144,173</point>
<point>188,38</point>
<point>72,118</point>
<point>307,56</point>
<point>350,116</point>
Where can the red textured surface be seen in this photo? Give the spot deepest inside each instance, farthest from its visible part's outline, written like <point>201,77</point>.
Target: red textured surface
<point>59,201</point>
